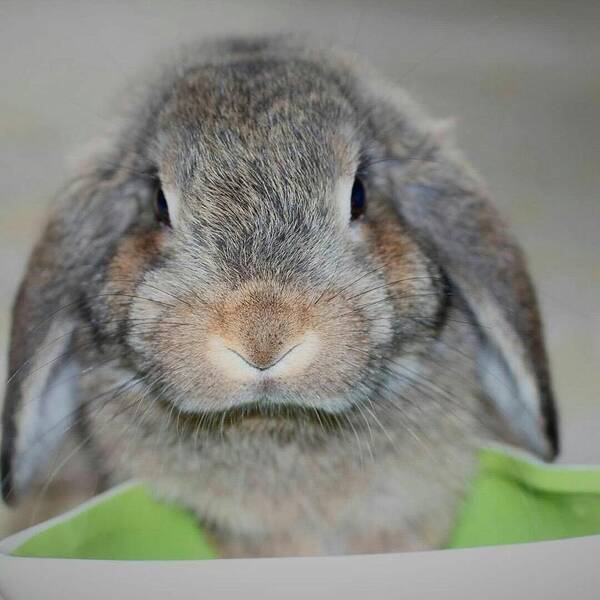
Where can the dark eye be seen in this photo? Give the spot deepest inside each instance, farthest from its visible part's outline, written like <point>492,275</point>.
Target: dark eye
<point>357,200</point>
<point>161,208</point>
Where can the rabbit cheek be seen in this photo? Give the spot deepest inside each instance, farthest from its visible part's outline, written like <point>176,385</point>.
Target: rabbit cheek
<point>133,257</point>
<point>414,283</point>
<point>128,266</point>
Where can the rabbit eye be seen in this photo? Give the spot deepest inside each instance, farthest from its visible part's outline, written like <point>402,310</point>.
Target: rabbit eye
<point>161,208</point>
<point>357,200</point>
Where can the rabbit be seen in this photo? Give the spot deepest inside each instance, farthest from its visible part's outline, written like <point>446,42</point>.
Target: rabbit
<point>281,298</point>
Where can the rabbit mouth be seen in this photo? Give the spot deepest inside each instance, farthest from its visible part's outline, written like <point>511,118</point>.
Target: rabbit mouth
<point>260,412</point>
<point>267,400</point>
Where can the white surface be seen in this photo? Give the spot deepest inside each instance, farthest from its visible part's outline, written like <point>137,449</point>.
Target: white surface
<point>550,570</point>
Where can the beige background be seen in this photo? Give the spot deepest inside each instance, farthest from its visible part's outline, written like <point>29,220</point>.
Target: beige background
<point>522,78</point>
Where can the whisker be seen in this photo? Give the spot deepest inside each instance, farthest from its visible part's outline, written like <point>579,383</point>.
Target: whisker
<point>155,288</point>
<point>391,283</point>
<point>87,344</point>
<point>357,280</point>
<point>386,299</point>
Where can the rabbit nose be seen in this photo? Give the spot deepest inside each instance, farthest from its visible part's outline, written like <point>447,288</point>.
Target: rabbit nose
<point>261,331</point>
<point>253,362</point>
<point>265,359</point>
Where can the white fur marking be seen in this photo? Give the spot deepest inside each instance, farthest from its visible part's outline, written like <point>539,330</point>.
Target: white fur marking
<point>48,404</point>
<point>173,202</point>
<point>341,196</point>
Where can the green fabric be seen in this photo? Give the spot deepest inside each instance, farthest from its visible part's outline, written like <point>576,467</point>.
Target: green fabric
<point>130,525</point>
<point>512,499</point>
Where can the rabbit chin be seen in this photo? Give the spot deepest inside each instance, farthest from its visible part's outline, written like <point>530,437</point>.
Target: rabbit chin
<point>266,398</point>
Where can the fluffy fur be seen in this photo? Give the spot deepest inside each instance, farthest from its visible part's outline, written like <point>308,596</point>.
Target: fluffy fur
<point>401,342</point>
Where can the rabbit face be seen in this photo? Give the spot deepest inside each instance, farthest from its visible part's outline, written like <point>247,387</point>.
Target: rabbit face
<point>270,288</point>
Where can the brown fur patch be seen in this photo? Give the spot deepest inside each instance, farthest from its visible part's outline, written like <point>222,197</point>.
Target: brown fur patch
<point>133,256</point>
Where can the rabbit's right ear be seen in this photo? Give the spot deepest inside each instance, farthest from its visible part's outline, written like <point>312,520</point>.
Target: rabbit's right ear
<point>41,400</point>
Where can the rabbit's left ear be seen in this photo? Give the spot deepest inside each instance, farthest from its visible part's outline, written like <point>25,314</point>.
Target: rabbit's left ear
<point>448,211</point>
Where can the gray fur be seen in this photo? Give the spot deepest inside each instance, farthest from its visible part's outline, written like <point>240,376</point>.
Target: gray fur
<point>405,320</point>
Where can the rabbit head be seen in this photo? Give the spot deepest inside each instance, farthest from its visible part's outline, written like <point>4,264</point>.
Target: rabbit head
<point>271,233</point>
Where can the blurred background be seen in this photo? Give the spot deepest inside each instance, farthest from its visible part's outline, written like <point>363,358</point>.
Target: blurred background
<point>521,78</point>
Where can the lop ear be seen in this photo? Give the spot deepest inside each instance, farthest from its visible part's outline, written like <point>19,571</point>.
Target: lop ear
<point>447,209</point>
<point>64,272</point>
<point>40,400</point>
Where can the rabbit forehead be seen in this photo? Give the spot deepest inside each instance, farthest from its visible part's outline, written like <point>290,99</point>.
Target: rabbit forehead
<point>256,121</point>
